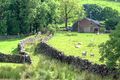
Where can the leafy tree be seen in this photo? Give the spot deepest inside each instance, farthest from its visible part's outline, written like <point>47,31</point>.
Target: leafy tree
<point>93,11</point>
<point>47,13</point>
<point>103,14</point>
<point>107,12</point>
<point>111,23</point>
<point>70,9</point>
<point>4,4</point>
<point>27,16</point>
<point>17,17</point>
<point>110,50</point>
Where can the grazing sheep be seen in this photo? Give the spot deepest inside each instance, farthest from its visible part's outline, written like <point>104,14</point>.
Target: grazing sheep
<point>84,53</point>
<point>92,54</point>
<point>77,46</point>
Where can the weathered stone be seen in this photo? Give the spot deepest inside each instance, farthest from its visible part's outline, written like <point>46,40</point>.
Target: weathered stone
<point>13,58</point>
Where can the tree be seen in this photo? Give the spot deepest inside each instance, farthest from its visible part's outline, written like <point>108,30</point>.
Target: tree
<point>93,11</point>
<point>4,4</point>
<point>17,19</point>
<point>111,23</point>
<point>70,9</point>
<point>107,12</point>
<point>110,50</point>
<point>27,16</point>
<point>47,13</point>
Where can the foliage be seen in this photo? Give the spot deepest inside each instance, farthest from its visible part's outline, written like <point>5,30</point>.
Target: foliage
<point>110,50</point>
<point>111,23</point>
<point>24,17</point>
<point>31,16</point>
<point>70,9</point>
<point>103,14</point>
<point>103,3</point>
<point>96,12</point>
<point>107,12</point>
<point>47,13</point>
<point>45,68</point>
<point>52,28</point>
<point>3,13</point>
<point>102,29</point>
<point>93,11</point>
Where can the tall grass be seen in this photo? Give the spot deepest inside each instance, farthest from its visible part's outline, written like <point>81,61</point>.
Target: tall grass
<point>52,69</point>
<point>45,68</point>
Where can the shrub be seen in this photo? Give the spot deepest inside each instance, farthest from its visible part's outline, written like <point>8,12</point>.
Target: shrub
<point>110,50</point>
<point>43,30</point>
<point>102,30</point>
<point>52,28</point>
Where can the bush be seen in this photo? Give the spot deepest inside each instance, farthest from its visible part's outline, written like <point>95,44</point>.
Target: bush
<point>111,23</point>
<point>52,28</point>
<point>110,50</point>
<point>43,30</point>
<point>102,30</point>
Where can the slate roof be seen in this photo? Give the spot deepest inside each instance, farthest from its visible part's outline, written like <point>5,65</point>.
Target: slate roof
<point>95,21</point>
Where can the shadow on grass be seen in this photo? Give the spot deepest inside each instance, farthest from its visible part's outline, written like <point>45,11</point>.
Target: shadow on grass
<point>70,34</point>
<point>12,39</point>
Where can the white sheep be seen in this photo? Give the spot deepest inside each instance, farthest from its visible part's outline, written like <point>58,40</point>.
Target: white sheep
<point>84,53</point>
<point>77,46</point>
<point>92,54</point>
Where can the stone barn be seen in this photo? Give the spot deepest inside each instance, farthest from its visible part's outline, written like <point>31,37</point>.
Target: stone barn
<point>86,25</point>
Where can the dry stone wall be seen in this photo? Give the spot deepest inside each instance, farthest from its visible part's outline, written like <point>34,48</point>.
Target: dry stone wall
<point>76,61</point>
<point>23,56</point>
<point>24,42</point>
<point>14,58</point>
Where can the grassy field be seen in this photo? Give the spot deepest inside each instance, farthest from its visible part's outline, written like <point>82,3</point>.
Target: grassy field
<point>103,3</point>
<point>9,46</point>
<point>44,68</point>
<point>76,43</point>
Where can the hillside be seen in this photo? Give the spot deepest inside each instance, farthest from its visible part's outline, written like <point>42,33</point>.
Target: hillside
<point>103,3</point>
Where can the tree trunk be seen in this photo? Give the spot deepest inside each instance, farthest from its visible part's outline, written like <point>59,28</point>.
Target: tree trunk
<point>30,28</point>
<point>66,22</point>
<point>66,16</point>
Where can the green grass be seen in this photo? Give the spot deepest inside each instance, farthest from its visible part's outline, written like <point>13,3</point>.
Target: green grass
<point>45,68</point>
<point>67,44</point>
<point>103,3</point>
<point>9,46</point>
